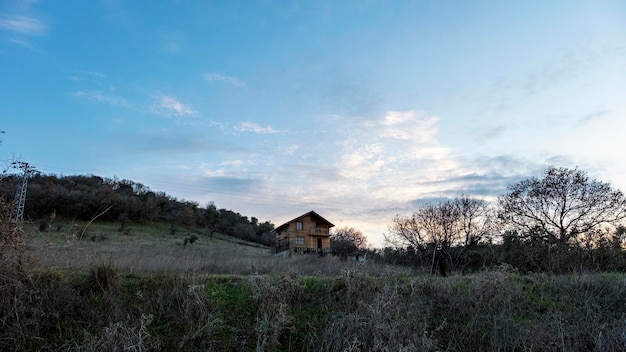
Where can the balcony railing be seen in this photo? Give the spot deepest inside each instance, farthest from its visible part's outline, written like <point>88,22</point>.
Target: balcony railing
<point>320,251</point>
<point>319,231</point>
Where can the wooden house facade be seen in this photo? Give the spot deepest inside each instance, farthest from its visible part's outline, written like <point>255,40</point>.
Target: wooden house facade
<point>308,233</point>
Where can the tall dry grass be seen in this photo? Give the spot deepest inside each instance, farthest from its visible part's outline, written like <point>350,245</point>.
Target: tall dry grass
<point>12,246</point>
<point>108,309</point>
<point>130,293</point>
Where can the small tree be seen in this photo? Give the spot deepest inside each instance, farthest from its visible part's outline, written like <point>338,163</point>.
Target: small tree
<point>347,241</point>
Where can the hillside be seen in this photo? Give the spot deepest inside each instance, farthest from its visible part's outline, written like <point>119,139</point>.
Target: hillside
<point>83,197</point>
<point>139,248</point>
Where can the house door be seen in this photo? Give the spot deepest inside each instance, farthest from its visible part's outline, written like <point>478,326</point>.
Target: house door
<point>319,243</point>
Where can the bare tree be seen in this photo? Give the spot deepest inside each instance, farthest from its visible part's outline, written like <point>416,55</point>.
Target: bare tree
<point>476,220</point>
<point>562,207</point>
<point>406,232</point>
<point>436,228</point>
<point>463,221</point>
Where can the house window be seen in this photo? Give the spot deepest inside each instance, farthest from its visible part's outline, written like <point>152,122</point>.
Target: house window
<point>299,240</point>
<point>298,226</point>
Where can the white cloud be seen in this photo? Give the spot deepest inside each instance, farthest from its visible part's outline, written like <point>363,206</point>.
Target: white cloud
<point>214,173</point>
<point>288,149</point>
<point>78,76</point>
<point>398,117</point>
<point>23,43</point>
<point>380,164</point>
<point>24,25</point>
<point>363,161</point>
<point>216,123</point>
<point>164,106</point>
<point>219,78</point>
<point>399,140</point>
<point>101,97</point>
<point>255,128</point>
<point>408,125</point>
<point>232,163</point>
<point>170,106</point>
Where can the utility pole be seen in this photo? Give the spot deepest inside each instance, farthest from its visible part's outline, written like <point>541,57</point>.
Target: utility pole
<point>20,195</point>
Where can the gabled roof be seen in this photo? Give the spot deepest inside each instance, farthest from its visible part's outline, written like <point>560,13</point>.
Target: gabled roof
<point>311,214</point>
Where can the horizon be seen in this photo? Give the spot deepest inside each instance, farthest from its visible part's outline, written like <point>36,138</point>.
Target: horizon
<point>357,111</point>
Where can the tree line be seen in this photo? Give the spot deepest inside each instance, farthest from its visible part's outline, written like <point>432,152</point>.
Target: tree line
<point>562,222</point>
<point>82,197</point>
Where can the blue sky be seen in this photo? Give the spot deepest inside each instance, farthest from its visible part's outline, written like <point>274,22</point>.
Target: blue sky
<point>359,110</point>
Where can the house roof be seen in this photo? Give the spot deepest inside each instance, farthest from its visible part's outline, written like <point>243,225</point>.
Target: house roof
<point>311,214</point>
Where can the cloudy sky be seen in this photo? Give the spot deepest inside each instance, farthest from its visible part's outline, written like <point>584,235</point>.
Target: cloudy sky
<point>358,110</point>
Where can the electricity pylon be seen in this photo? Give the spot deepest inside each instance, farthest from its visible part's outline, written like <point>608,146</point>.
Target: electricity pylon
<point>20,195</point>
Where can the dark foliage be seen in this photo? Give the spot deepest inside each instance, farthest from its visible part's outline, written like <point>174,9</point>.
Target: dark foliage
<point>561,223</point>
<point>347,241</point>
<point>81,197</point>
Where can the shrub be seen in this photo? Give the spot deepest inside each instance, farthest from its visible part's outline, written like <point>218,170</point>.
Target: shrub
<point>190,239</point>
<point>123,336</point>
<point>12,251</point>
<point>103,278</point>
<point>273,316</point>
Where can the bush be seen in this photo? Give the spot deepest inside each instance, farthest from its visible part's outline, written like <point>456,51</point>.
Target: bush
<point>103,278</point>
<point>12,249</point>
<point>190,239</point>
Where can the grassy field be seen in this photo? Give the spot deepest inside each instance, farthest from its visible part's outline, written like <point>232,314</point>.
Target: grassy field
<point>147,291</point>
<point>145,248</point>
<point>154,248</point>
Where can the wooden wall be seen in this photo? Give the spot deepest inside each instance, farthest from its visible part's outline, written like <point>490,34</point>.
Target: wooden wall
<point>308,232</point>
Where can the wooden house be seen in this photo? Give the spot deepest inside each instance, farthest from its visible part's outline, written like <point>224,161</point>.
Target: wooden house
<point>308,233</point>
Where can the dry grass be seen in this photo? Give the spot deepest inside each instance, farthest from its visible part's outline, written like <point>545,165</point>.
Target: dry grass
<point>154,249</point>
<point>148,292</point>
<point>145,249</point>
<point>108,310</point>
<point>375,316</point>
